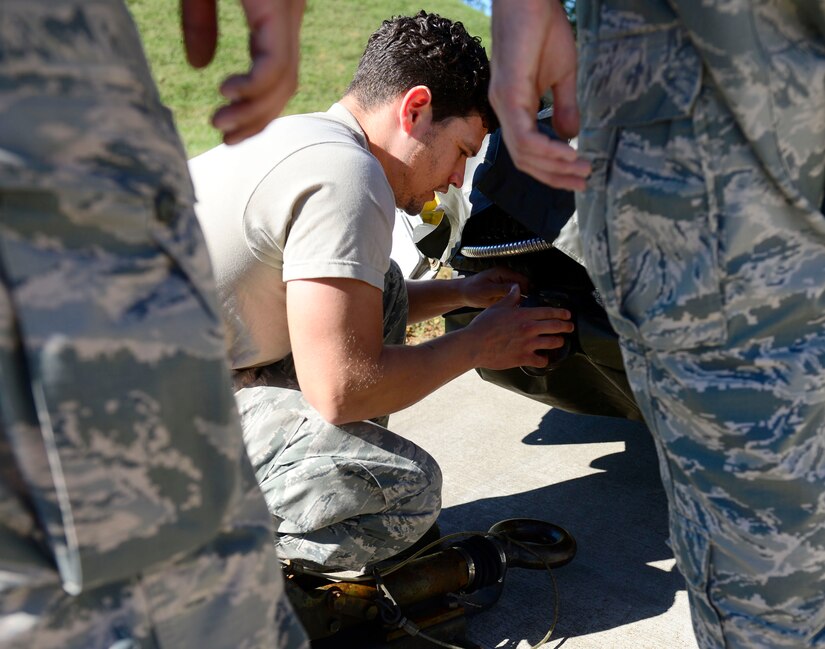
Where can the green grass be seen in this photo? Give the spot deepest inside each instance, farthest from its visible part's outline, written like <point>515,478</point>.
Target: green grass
<point>333,37</point>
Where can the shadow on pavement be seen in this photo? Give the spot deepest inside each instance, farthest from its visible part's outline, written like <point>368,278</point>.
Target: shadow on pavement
<point>615,508</point>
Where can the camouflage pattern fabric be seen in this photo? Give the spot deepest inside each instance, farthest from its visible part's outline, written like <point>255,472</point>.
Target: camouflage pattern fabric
<point>342,497</point>
<point>705,124</point>
<point>129,513</point>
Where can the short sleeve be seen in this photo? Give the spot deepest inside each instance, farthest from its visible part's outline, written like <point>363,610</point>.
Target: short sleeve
<point>327,210</point>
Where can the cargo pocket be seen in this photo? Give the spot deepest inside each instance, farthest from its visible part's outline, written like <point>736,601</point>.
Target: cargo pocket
<point>648,213</point>
<point>175,229</point>
<point>693,553</point>
<point>129,381</point>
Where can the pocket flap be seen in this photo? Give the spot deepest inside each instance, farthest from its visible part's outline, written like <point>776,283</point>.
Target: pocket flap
<point>638,78</point>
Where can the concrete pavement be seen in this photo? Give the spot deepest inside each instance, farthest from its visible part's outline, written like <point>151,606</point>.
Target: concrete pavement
<point>506,456</point>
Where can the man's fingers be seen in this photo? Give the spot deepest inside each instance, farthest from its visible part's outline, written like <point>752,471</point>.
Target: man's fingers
<point>552,313</point>
<point>572,176</point>
<point>513,296</point>
<point>571,182</point>
<point>531,143</point>
<point>535,51</point>
<point>271,48</point>
<point>258,96</point>
<point>566,108</point>
<point>244,118</point>
<point>199,22</point>
<point>555,326</point>
<point>549,342</point>
<point>548,320</point>
<point>550,161</point>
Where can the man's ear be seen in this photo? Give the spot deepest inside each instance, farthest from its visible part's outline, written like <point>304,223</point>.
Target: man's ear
<point>416,109</point>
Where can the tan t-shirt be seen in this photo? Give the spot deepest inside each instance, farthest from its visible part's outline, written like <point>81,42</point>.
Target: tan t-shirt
<point>304,199</point>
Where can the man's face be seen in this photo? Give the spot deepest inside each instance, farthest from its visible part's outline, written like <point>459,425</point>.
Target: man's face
<point>437,160</point>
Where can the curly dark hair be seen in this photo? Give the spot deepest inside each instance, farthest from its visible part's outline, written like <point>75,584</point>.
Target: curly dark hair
<point>428,50</point>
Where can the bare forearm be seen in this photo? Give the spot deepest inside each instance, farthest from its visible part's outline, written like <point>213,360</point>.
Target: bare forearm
<point>398,376</point>
<point>430,298</point>
<point>344,368</point>
<point>401,376</point>
<point>347,373</point>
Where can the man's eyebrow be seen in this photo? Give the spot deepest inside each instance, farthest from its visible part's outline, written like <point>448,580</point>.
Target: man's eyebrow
<point>470,147</point>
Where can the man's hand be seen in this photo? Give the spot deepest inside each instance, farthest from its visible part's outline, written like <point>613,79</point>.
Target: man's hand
<point>535,51</point>
<point>509,336</point>
<point>489,286</point>
<point>257,97</point>
<point>434,297</point>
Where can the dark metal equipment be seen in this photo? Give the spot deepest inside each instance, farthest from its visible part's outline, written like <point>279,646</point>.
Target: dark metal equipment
<point>424,593</point>
<point>513,220</point>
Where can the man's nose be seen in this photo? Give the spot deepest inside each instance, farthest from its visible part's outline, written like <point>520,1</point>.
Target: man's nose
<point>457,177</point>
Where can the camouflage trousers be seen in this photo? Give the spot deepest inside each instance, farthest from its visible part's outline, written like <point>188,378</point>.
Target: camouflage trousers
<point>716,285</point>
<point>112,533</point>
<point>342,497</point>
<point>228,593</point>
<point>129,512</point>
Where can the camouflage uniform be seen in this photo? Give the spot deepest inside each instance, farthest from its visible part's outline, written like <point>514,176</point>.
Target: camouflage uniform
<point>344,496</point>
<point>129,514</point>
<point>705,124</point>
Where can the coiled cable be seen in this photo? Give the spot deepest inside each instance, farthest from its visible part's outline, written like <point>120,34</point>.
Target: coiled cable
<point>510,249</point>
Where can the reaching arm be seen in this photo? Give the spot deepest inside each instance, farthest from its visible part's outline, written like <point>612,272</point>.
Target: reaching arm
<point>258,96</point>
<point>535,51</point>
<point>347,373</point>
<point>435,297</point>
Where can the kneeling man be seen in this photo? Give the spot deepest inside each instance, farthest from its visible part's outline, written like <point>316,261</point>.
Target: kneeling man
<point>299,221</point>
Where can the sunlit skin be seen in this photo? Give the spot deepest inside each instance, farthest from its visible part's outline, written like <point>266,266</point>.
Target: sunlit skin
<point>419,156</point>
<point>438,160</point>
<point>257,96</point>
<point>536,51</point>
<point>343,366</point>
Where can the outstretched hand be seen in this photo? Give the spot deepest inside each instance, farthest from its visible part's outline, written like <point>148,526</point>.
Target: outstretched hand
<point>535,51</point>
<point>257,96</point>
